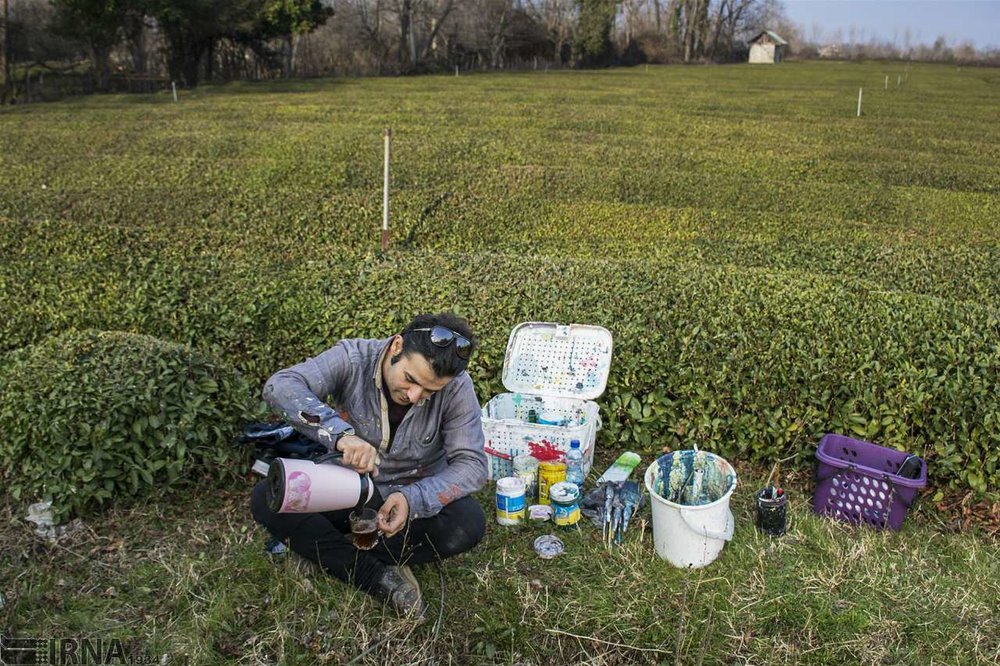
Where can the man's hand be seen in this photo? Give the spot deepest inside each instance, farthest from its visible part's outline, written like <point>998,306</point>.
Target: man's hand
<point>359,454</point>
<point>393,514</point>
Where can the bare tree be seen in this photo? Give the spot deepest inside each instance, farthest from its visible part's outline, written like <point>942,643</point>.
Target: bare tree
<point>632,16</point>
<point>692,11</point>
<point>418,23</point>
<point>5,54</point>
<point>404,12</point>
<point>370,13</point>
<point>558,17</point>
<point>436,19</point>
<point>728,20</point>
<point>497,20</point>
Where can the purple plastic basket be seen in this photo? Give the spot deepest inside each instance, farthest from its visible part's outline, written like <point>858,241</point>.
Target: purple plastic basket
<point>857,482</point>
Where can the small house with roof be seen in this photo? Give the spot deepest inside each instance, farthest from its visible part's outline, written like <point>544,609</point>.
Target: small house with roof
<point>767,48</point>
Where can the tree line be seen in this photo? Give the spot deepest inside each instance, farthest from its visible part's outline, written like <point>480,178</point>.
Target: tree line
<point>190,41</point>
<point>179,38</point>
<point>107,42</point>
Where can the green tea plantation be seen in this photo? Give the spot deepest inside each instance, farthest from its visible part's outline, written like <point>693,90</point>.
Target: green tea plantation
<point>772,266</point>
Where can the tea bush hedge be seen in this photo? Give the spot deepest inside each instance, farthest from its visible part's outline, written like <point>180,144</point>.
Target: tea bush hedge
<point>772,266</point>
<point>91,417</point>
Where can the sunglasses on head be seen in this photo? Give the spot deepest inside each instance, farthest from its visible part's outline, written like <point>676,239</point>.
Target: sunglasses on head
<point>442,336</point>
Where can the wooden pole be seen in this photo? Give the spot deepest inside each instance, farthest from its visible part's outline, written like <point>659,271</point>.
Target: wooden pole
<point>859,102</point>
<point>385,190</point>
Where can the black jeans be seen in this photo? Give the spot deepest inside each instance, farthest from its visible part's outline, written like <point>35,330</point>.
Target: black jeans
<point>324,538</point>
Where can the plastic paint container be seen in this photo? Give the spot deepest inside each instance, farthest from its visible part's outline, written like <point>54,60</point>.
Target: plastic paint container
<point>549,473</point>
<point>691,535</point>
<point>526,467</point>
<point>551,418</point>
<point>510,500</point>
<point>565,498</point>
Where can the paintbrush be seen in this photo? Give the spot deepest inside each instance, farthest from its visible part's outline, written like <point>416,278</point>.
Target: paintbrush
<point>609,498</point>
<point>775,474</point>
<point>687,479</point>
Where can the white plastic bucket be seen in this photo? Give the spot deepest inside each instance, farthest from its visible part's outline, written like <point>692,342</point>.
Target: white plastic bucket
<point>691,536</point>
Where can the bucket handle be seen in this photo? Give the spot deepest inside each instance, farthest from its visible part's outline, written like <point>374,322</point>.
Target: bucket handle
<point>699,528</point>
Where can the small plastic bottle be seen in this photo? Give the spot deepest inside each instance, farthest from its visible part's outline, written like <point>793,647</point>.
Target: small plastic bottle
<point>574,464</point>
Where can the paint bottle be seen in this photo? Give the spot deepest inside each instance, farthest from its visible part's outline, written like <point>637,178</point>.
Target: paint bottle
<point>550,473</point>
<point>510,500</point>
<point>526,467</point>
<point>565,498</point>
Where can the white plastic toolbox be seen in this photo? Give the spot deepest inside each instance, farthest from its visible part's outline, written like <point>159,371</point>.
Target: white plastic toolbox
<point>556,371</point>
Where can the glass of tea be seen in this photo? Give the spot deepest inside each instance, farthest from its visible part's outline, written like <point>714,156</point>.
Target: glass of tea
<point>364,531</point>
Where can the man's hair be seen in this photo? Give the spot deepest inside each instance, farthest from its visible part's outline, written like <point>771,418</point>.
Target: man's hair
<point>444,360</point>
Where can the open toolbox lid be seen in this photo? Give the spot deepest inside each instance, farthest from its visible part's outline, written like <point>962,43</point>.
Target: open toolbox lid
<point>565,361</point>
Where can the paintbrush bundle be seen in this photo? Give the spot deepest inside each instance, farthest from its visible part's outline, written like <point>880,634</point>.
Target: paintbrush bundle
<point>612,505</point>
<point>692,478</point>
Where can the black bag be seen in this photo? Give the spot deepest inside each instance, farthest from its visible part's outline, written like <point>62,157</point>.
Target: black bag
<point>280,440</point>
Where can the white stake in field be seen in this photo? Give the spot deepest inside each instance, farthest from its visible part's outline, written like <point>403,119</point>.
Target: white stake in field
<point>385,190</point>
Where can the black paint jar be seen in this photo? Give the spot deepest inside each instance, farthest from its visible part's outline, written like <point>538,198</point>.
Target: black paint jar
<point>771,511</point>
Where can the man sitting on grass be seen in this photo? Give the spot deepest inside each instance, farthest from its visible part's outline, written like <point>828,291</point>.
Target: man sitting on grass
<point>411,418</point>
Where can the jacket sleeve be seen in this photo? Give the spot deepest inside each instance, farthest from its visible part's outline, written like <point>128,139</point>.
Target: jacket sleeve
<point>462,438</point>
<point>298,393</point>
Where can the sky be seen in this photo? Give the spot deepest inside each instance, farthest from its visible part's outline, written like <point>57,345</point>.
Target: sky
<point>976,21</point>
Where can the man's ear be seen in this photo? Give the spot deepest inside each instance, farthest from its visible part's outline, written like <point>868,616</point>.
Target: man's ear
<point>396,346</point>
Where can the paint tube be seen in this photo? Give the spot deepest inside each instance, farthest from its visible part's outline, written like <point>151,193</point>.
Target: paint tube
<point>622,468</point>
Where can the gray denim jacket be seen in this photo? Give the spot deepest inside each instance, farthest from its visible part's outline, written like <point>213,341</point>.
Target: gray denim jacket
<point>437,454</point>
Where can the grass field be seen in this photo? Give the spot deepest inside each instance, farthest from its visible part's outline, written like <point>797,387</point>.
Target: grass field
<point>772,267</point>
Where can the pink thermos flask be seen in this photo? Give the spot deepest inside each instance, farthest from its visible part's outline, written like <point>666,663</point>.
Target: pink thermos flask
<point>303,486</point>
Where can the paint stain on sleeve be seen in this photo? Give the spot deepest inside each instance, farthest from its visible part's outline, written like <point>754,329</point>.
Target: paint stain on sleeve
<point>449,495</point>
